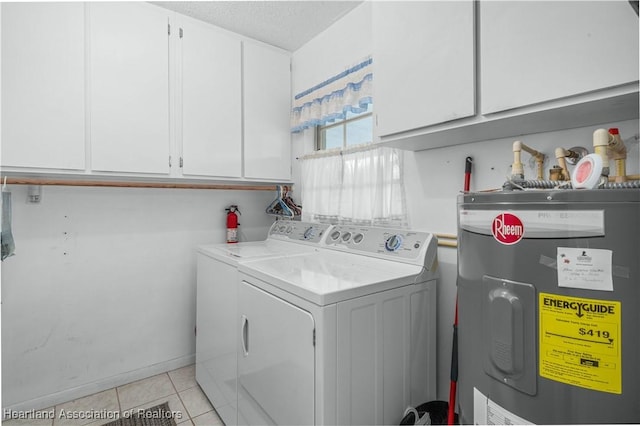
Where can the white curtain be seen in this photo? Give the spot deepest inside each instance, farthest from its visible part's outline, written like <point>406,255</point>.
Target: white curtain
<point>363,185</point>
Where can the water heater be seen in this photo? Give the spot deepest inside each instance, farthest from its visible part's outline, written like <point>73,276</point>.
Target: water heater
<point>549,307</point>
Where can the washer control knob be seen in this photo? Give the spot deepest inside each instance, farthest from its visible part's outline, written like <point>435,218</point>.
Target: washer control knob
<point>309,233</point>
<point>346,236</point>
<point>335,235</point>
<point>357,239</point>
<point>393,243</point>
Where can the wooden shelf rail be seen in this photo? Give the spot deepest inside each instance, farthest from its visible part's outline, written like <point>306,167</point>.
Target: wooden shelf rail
<point>135,184</point>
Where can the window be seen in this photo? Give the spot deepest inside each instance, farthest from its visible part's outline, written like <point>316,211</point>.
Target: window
<point>355,129</point>
<point>349,179</point>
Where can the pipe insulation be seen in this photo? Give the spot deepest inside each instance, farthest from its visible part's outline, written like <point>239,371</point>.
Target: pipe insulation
<point>622,185</point>
<point>512,185</point>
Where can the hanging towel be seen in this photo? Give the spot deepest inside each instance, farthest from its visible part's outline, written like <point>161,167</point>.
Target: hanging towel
<point>8,245</point>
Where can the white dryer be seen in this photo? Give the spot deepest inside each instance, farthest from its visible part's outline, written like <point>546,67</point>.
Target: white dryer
<point>342,335</point>
<point>216,305</point>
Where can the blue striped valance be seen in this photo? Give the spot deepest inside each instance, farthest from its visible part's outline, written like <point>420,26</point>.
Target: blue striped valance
<point>349,91</point>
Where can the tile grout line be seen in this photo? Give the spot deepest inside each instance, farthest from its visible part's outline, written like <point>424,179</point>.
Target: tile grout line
<point>196,385</point>
<point>138,405</point>
<point>180,398</point>
<point>118,399</point>
<point>166,396</point>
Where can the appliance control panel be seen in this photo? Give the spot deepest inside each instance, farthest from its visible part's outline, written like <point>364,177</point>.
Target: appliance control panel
<point>380,242</point>
<point>299,231</point>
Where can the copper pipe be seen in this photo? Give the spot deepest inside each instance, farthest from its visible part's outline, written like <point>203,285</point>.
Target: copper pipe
<point>446,236</point>
<point>517,168</point>
<point>448,243</point>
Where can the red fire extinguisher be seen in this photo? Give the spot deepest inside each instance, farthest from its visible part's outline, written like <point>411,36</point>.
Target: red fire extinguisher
<point>232,224</point>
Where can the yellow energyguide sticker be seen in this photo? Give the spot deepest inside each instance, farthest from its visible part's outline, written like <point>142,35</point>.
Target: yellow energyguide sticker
<point>580,342</point>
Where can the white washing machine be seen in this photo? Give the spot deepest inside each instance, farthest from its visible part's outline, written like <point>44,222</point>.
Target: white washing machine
<point>216,303</point>
<point>342,335</point>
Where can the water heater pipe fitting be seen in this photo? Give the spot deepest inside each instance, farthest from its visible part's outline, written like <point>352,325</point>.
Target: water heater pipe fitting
<point>561,155</point>
<point>517,169</point>
<point>618,152</point>
<point>600,146</point>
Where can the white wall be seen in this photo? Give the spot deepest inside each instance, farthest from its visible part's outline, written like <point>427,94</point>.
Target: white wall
<point>434,178</point>
<point>101,290</point>
<point>437,175</point>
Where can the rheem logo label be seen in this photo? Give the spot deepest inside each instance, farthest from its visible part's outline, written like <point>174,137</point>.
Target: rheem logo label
<point>507,228</point>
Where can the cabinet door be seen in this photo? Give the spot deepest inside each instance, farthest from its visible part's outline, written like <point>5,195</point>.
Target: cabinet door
<point>532,52</point>
<point>43,110</point>
<point>276,360</point>
<point>423,58</point>
<point>129,89</point>
<point>267,108</point>
<point>211,101</point>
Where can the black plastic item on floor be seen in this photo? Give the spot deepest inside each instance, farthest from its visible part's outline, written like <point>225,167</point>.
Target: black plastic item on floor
<point>437,411</point>
<point>160,415</point>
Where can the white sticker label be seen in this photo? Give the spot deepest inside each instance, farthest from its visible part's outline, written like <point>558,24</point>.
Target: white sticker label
<point>585,268</point>
<point>487,412</point>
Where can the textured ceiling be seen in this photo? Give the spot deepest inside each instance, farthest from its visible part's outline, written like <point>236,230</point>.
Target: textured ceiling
<point>285,24</point>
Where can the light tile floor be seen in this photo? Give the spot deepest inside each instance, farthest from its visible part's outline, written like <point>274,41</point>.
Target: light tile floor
<point>178,387</point>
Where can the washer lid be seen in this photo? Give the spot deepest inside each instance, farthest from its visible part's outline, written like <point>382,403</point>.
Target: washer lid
<point>327,276</point>
<point>244,251</point>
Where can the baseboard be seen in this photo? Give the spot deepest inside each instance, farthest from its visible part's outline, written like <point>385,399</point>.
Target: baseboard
<point>66,395</point>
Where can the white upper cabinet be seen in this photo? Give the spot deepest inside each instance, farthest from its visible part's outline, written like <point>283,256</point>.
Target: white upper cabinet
<point>210,73</point>
<point>423,58</point>
<point>43,85</point>
<point>129,87</point>
<point>542,66</point>
<point>533,52</point>
<point>267,108</point>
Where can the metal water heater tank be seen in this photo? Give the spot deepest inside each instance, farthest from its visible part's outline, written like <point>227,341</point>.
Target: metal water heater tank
<point>549,307</point>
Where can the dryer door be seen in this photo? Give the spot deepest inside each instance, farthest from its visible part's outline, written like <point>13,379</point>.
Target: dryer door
<point>276,357</point>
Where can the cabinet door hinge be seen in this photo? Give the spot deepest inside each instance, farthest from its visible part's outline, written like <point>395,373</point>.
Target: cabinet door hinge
<point>169,29</point>
<point>181,162</point>
<point>169,161</point>
<point>180,32</point>
<point>314,337</point>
